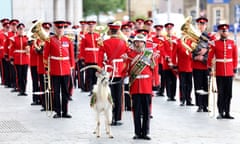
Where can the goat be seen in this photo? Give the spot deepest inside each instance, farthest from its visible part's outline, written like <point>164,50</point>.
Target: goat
<point>101,100</point>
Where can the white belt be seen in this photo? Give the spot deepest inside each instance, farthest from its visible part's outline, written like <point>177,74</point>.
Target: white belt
<point>224,60</point>
<point>142,76</point>
<point>117,60</point>
<point>20,51</point>
<point>59,58</point>
<point>91,49</point>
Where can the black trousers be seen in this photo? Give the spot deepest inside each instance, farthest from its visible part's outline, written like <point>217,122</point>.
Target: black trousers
<point>185,80</point>
<point>80,76</point>
<point>117,93</point>
<point>35,83</point>
<point>200,79</point>
<point>6,72</point>
<point>127,99</point>
<point>60,93</point>
<point>14,76</point>
<point>162,78</point>
<point>42,89</point>
<point>141,113</point>
<point>21,71</point>
<point>224,88</point>
<point>171,83</point>
<point>90,77</point>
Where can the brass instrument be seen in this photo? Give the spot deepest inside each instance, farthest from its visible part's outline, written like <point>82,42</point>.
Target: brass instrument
<point>212,88</point>
<point>69,34</point>
<point>191,35</point>
<point>37,32</point>
<point>102,30</point>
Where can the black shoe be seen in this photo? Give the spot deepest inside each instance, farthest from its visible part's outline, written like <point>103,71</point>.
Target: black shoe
<point>66,116</point>
<point>43,109</point>
<point>190,104</point>
<point>206,110</point>
<point>137,137</point>
<point>34,103</point>
<point>159,94</point>
<point>146,137</point>
<point>57,116</point>
<point>151,116</point>
<point>199,109</point>
<point>22,94</point>
<point>115,123</point>
<point>70,98</point>
<point>171,99</point>
<point>182,104</point>
<point>14,90</point>
<point>220,116</point>
<point>228,116</point>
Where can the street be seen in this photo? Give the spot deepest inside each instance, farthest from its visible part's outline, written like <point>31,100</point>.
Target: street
<point>21,123</point>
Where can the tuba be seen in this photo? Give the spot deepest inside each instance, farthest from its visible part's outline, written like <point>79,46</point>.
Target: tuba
<point>191,37</point>
<point>37,32</point>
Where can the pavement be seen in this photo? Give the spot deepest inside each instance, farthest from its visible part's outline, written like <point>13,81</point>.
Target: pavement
<point>21,123</point>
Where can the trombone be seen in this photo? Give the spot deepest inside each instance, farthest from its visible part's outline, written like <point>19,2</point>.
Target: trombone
<point>212,89</point>
<point>48,91</point>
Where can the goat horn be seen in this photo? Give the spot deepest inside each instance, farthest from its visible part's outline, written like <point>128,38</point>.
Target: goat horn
<point>91,66</point>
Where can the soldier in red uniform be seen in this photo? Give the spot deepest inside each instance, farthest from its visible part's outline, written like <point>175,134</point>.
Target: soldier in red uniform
<point>20,51</point>
<point>34,74</point>
<point>183,61</point>
<point>114,47</point>
<point>139,24</point>
<point>10,74</point>
<point>170,43</point>
<point>140,66</point>
<point>60,50</point>
<point>89,52</point>
<point>81,81</point>
<point>200,71</point>
<point>3,37</point>
<point>38,47</point>
<point>226,60</point>
<point>159,39</point>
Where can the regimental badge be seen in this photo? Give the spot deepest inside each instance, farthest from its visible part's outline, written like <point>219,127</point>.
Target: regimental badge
<point>65,44</point>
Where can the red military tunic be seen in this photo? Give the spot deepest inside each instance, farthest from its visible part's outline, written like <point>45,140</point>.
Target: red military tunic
<point>114,48</point>
<point>89,48</point>
<point>143,82</point>
<point>40,64</point>
<point>33,56</point>
<point>3,38</point>
<point>183,59</point>
<point>20,50</point>
<point>169,45</point>
<point>160,41</point>
<point>61,53</point>
<point>226,55</point>
<point>80,38</point>
<point>8,44</point>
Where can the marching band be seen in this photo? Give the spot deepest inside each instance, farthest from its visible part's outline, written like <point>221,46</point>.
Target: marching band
<point>152,60</point>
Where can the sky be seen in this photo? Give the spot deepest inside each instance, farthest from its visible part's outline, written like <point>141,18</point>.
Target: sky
<point>5,9</point>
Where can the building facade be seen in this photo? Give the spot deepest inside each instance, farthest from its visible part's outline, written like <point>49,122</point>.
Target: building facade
<point>47,10</point>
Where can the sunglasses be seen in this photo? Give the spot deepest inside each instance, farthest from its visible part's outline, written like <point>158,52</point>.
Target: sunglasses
<point>222,31</point>
<point>60,27</point>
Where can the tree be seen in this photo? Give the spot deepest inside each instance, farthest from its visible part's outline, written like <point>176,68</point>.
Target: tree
<point>96,7</point>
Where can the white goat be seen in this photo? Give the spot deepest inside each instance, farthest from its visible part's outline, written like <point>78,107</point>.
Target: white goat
<point>101,100</point>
